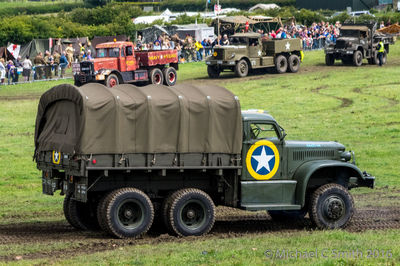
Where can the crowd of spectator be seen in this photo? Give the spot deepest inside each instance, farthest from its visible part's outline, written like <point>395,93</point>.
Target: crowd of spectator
<point>315,36</point>
<point>43,67</point>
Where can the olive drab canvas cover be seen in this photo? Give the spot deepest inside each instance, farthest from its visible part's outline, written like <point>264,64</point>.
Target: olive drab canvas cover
<point>94,119</point>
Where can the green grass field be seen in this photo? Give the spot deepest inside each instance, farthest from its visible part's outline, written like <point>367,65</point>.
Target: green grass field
<point>358,107</point>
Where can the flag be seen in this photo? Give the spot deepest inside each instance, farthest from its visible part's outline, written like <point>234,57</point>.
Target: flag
<point>217,8</point>
<point>14,49</point>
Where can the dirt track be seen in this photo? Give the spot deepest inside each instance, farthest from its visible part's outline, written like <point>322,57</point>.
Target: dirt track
<point>230,223</point>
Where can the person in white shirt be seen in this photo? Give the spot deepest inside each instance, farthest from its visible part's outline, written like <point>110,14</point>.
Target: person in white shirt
<point>2,71</point>
<point>27,68</point>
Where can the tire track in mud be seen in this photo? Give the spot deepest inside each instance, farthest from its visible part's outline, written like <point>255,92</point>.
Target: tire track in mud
<point>391,101</point>
<point>346,102</point>
<point>229,223</point>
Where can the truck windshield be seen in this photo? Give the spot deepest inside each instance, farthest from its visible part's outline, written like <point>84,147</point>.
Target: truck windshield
<point>237,41</point>
<point>107,52</point>
<point>349,33</point>
<point>262,131</point>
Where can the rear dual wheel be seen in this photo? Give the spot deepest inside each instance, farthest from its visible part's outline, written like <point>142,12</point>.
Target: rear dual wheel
<point>81,215</point>
<point>170,76</point>
<point>126,212</point>
<point>189,212</point>
<point>156,76</point>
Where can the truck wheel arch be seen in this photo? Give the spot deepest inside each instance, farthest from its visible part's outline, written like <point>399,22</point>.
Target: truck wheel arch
<point>247,60</point>
<point>310,174</point>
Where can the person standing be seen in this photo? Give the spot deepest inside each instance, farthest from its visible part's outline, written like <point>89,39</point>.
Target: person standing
<point>48,60</point>
<point>11,72</point>
<point>18,69</point>
<point>39,65</point>
<point>70,54</point>
<point>27,68</point>
<point>56,58</point>
<point>199,50</point>
<point>381,52</point>
<point>63,63</point>
<point>2,71</point>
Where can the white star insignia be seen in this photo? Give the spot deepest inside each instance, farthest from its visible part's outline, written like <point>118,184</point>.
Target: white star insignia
<point>287,45</point>
<point>259,53</point>
<point>263,160</point>
<point>56,156</point>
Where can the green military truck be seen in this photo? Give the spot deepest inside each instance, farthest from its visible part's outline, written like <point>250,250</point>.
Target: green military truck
<point>357,42</point>
<point>248,51</point>
<point>125,155</point>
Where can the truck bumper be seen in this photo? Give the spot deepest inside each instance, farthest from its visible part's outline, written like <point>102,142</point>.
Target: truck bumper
<point>367,180</point>
<point>339,52</point>
<point>220,63</point>
<point>82,78</point>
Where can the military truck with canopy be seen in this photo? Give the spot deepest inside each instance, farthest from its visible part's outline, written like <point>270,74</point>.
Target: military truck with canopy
<point>248,51</point>
<point>357,42</point>
<point>123,155</point>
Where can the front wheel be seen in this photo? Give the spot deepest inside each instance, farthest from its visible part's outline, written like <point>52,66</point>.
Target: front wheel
<point>112,80</point>
<point>242,68</point>
<point>213,71</point>
<point>126,212</point>
<point>191,213</point>
<point>331,207</point>
<point>329,59</point>
<point>357,58</point>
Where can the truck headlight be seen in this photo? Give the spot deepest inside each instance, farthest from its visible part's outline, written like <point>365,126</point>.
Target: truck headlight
<point>346,156</point>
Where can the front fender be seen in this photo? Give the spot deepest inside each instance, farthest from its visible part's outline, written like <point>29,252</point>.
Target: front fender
<point>306,170</point>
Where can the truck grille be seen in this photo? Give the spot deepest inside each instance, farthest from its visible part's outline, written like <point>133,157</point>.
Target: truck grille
<point>301,155</point>
<point>87,67</point>
<point>340,44</point>
<point>220,54</point>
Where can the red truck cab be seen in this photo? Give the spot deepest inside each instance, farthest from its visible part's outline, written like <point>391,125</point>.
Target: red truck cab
<point>118,63</point>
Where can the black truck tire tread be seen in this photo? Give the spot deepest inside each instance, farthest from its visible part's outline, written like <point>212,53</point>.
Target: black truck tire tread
<point>112,197</point>
<point>177,197</point>
<point>314,212</point>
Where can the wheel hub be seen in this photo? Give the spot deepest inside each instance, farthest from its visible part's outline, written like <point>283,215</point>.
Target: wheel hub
<point>334,208</point>
<point>190,214</point>
<point>128,213</point>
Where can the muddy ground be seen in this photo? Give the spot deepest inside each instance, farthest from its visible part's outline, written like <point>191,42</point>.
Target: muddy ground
<point>230,223</point>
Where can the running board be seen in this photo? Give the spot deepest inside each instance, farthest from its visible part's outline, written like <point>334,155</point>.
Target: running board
<point>258,207</point>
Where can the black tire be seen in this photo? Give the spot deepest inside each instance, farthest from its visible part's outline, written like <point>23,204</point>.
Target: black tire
<point>357,58</point>
<point>165,209</point>
<point>156,76</point>
<point>242,68</point>
<point>331,207</point>
<point>293,63</point>
<point>112,80</point>
<point>127,212</point>
<point>170,76</point>
<point>83,214</point>
<point>213,71</point>
<point>66,203</point>
<point>101,214</point>
<point>329,59</point>
<point>192,212</point>
<point>281,64</point>
<point>291,215</point>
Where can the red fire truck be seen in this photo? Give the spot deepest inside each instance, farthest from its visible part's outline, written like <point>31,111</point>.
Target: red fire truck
<point>118,63</point>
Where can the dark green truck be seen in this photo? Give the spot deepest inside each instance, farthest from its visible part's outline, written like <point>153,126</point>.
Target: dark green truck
<point>248,51</point>
<point>125,155</point>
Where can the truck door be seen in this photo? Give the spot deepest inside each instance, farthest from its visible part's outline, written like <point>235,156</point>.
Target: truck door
<point>130,59</point>
<point>255,51</point>
<point>263,181</point>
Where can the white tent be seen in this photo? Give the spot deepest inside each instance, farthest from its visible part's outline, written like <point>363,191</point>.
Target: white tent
<point>263,7</point>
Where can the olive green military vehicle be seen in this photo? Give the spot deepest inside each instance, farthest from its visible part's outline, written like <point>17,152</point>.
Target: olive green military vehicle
<point>355,43</point>
<point>248,51</point>
<point>128,155</point>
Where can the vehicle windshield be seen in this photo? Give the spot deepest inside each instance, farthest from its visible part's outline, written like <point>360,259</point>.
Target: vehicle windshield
<point>107,52</point>
<point>263,131</point>
<point>349,33</point>
<point>238,41</point>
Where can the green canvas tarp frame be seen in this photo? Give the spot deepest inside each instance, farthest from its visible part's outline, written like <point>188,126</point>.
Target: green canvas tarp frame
<point>94,119</point>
